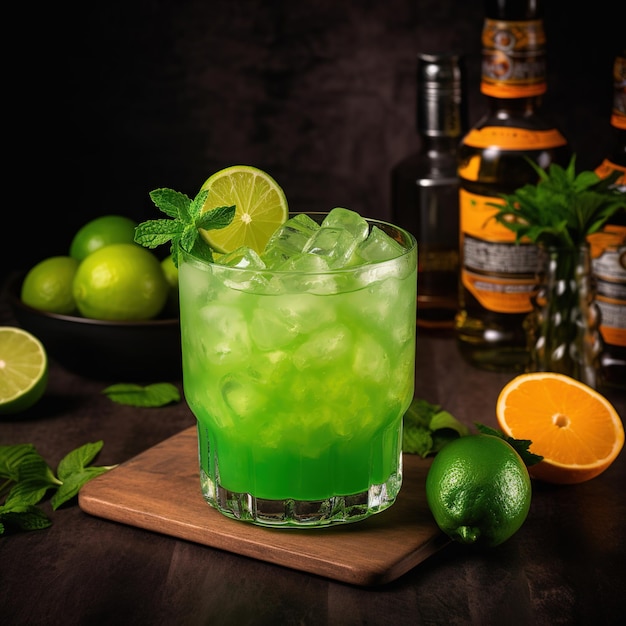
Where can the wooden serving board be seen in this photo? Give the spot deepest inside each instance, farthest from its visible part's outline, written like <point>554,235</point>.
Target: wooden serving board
<point>159,490</point>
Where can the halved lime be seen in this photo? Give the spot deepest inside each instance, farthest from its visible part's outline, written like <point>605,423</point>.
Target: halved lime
<point>261,207</point>
<point>23,370</point>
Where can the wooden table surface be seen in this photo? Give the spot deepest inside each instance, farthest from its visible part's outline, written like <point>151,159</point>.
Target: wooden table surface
<point>566,565</point>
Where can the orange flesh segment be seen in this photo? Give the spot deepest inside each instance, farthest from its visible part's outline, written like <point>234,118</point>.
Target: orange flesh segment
<point>568,425</point>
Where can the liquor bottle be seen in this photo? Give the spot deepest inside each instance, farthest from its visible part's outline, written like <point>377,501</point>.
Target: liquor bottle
<point>498,276</point>
<point>425,186</point>
<point>608,247</point>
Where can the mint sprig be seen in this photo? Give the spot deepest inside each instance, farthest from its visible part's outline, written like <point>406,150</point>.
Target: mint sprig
<point>154,395</point>
<point>183,227</point>
<point>563,208</point>
<point>27,478</point>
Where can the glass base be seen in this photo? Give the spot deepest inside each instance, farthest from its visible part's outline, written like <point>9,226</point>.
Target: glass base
<point>291,513</point>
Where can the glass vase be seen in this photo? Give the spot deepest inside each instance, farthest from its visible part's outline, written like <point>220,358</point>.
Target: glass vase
<point>563,328</point>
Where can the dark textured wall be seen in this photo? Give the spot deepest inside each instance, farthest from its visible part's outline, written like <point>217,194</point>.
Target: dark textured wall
<point>108,100</point>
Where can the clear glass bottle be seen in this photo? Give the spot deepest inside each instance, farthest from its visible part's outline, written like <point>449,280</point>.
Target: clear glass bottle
<point>425,186</point>
<point>609,246</point>
<point>498,277</point>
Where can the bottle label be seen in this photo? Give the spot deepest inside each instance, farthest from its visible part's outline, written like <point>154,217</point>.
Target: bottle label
<point>514,63</point>
<point>608,262</point>
<point>618,120</point>
<point>497,271</point>
<point>607,167</point>
<point>513,138</point>
<point>618,114</point>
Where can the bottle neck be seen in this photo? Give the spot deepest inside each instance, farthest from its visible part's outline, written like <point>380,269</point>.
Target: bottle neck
<point>504,108</point>
<point>441,113</point>
<point>514,9</point>
<point>432,145</point>
<point>513,60</point>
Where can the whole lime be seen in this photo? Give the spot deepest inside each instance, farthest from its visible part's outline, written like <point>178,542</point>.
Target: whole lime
<point>120,282</point>
<point>171,276</point>
<point>170,270</point>
<point>47,285</point>
<point>102,231</point>
<point>478,490</point>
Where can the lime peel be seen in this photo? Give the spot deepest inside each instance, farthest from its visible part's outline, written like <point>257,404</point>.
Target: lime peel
<point>260,208</point>
<point>24,369</point>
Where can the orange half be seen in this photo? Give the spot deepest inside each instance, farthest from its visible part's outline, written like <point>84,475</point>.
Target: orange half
<point>575,428</point>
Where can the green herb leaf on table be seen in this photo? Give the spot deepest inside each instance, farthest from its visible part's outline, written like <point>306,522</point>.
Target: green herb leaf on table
<point>23,518</point>
<point>521,446</point>
<point>150,396</point>
<point>31,475</point>
<point>26,478</point>
<point>427,428</point>
<point>182,229</point>
<point>73,472</point>
<point>563,208</point>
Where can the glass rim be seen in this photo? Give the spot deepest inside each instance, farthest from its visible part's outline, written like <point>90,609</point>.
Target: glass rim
<point>340,270</point>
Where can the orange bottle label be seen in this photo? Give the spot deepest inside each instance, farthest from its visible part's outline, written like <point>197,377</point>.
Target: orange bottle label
<point>498,272</point>
<point>607,167</point>
<point>618,119</point>
<point>618,115</point>
<point>514,138</point>
<point>513,59</point>
<point>608,254</point>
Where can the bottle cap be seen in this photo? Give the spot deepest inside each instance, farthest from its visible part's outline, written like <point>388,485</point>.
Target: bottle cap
<point>441,106</point>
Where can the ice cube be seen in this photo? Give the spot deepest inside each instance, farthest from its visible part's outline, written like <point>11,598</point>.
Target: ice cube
<point>305,273</point>
<point>306,312</point>
<point>371,361</point>
<point>336,245</point>
<point>225,339</point>
<point>243,257</point>
<point>324,346</point>
<point>305,262</point>
<point>350,220</point>
<point>289,239</point>
<point>379,246</point>
<point>244,394</point>
<point>270,329</point>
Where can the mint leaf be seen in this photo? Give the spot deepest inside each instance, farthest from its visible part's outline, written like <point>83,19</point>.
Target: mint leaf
<point>11,457</point>
<point>77,459</point>
<point>28,476</point>
<point>442,419</point>
<point>27,479</point>
<point>155,395</point>
<point>182,229</point>
<point>417,440</point>
<point>427,428</point>
<point>216,218</point>
<point>521,446</point>
<point>74,473</point>
<point>155,233</point>
<point>74,481</point>
<point>28,518</point>
<point>173,203</point>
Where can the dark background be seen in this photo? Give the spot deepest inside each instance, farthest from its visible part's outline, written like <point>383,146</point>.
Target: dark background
<point>105,101</point>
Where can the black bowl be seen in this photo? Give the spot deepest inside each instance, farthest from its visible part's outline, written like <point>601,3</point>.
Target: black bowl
<point>124,352</point>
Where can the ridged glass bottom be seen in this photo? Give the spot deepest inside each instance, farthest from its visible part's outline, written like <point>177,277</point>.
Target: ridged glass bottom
<point>302,513</point>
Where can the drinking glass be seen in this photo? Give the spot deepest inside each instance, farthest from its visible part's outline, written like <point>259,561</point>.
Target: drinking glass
<point>299,381</point>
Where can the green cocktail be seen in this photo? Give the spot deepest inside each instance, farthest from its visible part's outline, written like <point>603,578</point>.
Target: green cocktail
<point>299,376</point>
